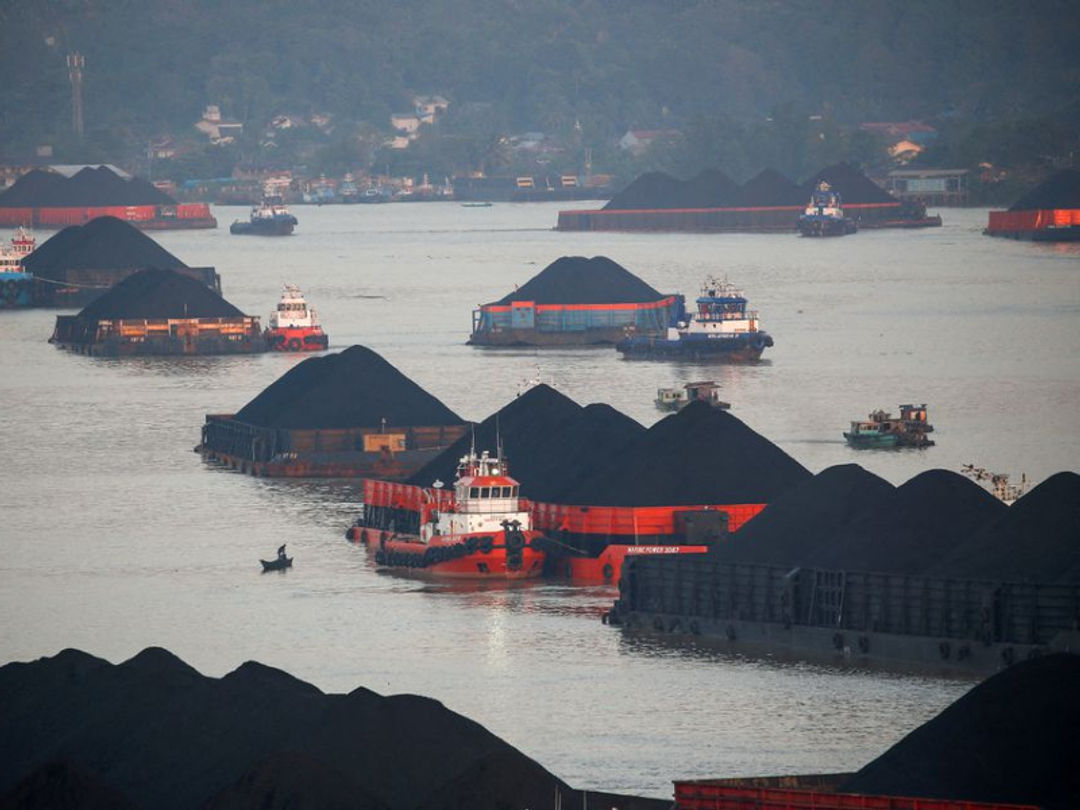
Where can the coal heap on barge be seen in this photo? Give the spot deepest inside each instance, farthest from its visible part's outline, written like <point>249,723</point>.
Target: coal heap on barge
<point>574,301</point>
<point>48,199</point>
<point>1050,212</point>
<point>78,264</point>
<point>257,737</point>
<point>769,202</point>
<point>1005,745</point>
<point>935,574</point>
<point>159,312</point>
<point>345,414</point>
<point>1010,739</point>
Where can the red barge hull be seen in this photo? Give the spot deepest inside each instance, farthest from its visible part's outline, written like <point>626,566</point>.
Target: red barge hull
<point>182,216</point>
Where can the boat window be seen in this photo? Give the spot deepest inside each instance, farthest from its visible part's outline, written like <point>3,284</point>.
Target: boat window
<point>506,492</point>
<point>474,492</point>
<point>514,492</point>
<point>485,492</point>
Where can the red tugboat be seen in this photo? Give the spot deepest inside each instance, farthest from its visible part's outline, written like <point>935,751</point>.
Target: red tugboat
<point>294,326</point>
<point>482,533</point>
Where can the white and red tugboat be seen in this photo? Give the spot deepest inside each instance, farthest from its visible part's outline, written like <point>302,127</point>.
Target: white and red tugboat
<point>485,534</point>
<point>294,326</point>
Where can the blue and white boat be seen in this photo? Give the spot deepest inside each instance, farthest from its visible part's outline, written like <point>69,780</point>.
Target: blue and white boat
<point>16,282</point>
<point>269,218</point>
<point>824,215</point>
<point>722,329</point>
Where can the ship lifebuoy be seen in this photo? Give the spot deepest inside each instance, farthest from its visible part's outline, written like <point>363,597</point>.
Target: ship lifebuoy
<point>607,571</point>
<point>294,344</point>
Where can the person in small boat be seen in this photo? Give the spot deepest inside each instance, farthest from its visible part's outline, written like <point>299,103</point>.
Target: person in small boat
<point>281,552</point>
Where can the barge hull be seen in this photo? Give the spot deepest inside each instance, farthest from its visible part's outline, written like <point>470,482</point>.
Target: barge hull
<point>969,627</point>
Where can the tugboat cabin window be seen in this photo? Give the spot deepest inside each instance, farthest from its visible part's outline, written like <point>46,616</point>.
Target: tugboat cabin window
<point>506,492</point>
<point>485,492</point>
<point>474,492</point>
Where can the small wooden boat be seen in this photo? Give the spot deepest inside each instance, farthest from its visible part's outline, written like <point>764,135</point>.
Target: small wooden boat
<point>280,564</point>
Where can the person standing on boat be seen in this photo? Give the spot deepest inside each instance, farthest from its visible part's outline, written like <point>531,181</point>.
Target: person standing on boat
<point>281,552</point>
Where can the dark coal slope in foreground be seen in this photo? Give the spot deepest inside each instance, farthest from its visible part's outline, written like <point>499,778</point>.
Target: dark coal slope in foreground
<point>1060,190</point>
<point>159,294</point>
<point>806,518</point>
<point>912,527</point>
<point>91,186</point>
<point>1013,738</point>
<point>578,280</point>
<point>61,785</point>
<point>700,455</point>
<point>768,188</point>
<point>168,738</point>
<point>650,190</point>
<point>1037,539</point>
<point>104,243</point>
<point>526,426</point>
<point>852,185</point>
<point>353,388</point>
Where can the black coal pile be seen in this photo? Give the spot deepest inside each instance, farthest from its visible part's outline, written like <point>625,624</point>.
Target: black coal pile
<point>62,785</point>
<point>91,186</point>
<point>912,527</point>
<point>1037,539</point>
<point>650,190</point>
<point>577,280</point>
<point>1011,739</point>
<point>526,426</point>
<point>104,243</point>
<point>852,185</point>
<point>700,455</point>
<point>159,294</point>
<point>1059,191</point>
<point>710,189</point>
<point>353,388</point>
<point>580,447</point>
<point>164,736</point>
<point>768,188</point>
<point>806,518</point>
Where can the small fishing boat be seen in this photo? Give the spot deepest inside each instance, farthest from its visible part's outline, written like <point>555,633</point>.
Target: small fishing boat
<point>881,430</point>
<point>675,399</point>
<point>278,564</point>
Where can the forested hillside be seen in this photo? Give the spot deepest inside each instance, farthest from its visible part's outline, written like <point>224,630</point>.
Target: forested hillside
<point>592,67</point>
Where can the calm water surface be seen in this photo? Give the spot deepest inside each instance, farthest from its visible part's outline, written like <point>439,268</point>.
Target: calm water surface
<point>115,535</point>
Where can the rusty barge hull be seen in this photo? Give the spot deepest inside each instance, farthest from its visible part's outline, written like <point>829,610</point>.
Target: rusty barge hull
<point>390,454</point>
<point>773,219</point>
<point>165,336</point>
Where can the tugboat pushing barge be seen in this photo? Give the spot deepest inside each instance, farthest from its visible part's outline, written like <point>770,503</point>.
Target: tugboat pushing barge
<point>881,430</point>
<point>721,329</point>
<point>824,216</point>
<point>16,282</point>
<point>294,326</point>
<point>482,532</point>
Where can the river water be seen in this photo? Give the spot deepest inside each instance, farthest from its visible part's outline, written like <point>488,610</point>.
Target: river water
<point>115,536</point>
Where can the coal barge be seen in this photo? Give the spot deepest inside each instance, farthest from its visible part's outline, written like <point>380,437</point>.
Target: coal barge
<point>1048,213</point>
<point>574,301</point>
<point>49,199</point>
<point>159,312</point>
<point>348,414</point>
<point>952,581</point>
<point>769,203</point>
<point>75,266</point>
